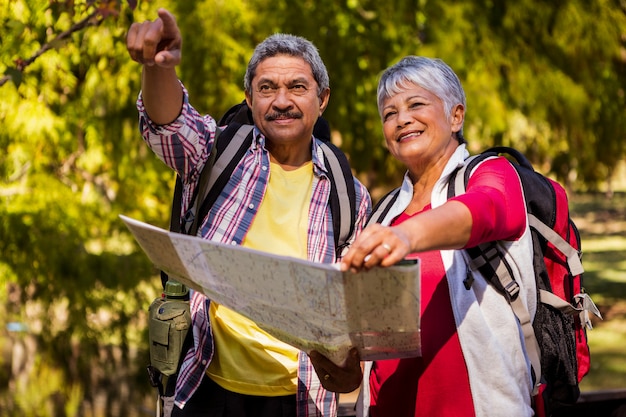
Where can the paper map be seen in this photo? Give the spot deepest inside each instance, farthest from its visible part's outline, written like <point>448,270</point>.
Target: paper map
<point>308,305</point>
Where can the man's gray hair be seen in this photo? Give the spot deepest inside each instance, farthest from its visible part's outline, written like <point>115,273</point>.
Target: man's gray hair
<point>431,74</point>
<point>285,44</point>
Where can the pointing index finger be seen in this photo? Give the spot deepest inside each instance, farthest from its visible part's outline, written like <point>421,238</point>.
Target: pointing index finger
<point>169,22</point>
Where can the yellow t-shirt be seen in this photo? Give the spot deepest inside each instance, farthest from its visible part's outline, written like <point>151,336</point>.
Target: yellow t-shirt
<point>248,360</point>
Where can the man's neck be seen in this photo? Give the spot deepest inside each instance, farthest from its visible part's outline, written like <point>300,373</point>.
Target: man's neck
<point>290,156</point>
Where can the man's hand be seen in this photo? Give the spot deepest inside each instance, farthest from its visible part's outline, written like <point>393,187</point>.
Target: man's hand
<point>342,379</point>
<point>158,45</point>
<point>155,43</point>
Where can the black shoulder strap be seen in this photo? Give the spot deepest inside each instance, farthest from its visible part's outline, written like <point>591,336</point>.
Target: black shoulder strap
<point>460,177</point>
<point>229,143</point>
<point>493,266</point>
<point>176,202</point>
<point>517,155</point>
<point>233,143</point>
<point>175,219</point>
<point>486,257</point>
<point>342,194</point>
<point>383,206</point>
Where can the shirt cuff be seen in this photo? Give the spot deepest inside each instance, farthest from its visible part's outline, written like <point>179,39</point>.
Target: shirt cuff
<point>169,127</point>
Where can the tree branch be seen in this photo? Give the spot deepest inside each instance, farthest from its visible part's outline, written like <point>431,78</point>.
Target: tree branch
<point>94,19</point>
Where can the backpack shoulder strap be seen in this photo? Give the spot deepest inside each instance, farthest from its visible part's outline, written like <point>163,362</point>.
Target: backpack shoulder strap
<point>383,206</point>
<point>459,178</point>
<point>572,254</point>
<point>176,204</point>
<point>343,209</point>
<point>230,146</point>
<point>493,266</point>
<point>175,219</point>
<point>228,142</point>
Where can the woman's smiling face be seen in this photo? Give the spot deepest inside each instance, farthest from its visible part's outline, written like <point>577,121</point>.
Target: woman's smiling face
<point>416,127</point>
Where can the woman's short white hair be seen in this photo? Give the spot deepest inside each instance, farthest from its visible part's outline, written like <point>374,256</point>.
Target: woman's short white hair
<point>431,74</point>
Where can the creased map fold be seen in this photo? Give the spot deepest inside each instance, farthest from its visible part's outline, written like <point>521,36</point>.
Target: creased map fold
<point>309,305</point>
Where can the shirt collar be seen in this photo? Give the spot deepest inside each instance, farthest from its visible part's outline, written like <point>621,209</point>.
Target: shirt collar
<point>319,168</point>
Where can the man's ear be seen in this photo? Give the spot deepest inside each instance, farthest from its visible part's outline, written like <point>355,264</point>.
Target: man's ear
<point>249,99</point>
<point>324,97</point>
<point>457,117</point>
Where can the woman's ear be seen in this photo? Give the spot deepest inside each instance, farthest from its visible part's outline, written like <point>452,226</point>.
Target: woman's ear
<point>457,117</point>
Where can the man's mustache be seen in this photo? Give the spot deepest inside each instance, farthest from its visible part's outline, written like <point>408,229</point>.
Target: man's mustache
<point>283,115</point>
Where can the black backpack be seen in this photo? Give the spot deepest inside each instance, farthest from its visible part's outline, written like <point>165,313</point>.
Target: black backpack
<point>231,145</point>
<point>556,340</point>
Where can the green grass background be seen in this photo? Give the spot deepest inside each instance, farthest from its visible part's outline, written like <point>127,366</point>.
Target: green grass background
<point>602,224</point>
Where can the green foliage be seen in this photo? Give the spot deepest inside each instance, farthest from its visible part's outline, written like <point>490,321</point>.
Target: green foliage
<point>539,76</point>
<point>33,399</point>
<point>70,161</point>
<point>218,39</point>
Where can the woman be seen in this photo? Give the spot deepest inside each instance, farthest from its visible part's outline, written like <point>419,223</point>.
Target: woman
<point>473,359</point>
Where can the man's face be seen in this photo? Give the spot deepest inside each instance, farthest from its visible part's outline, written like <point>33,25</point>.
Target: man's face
<point>284,99</point>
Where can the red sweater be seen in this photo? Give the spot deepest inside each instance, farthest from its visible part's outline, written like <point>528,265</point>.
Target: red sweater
<point>437,384</point>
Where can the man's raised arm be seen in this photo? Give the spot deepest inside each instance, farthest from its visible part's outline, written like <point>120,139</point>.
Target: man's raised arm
<point>157,45</point>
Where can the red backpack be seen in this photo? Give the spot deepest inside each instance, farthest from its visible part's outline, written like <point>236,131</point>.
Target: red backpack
<point>557,338</point>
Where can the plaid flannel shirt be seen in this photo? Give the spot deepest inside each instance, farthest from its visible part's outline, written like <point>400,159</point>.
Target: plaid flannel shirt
<point>184,145</point>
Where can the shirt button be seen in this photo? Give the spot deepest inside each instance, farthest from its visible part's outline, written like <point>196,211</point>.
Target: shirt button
<point>234,242</point>
<point>264,168</point>
<point>203,361</point>
<point>251,206</point>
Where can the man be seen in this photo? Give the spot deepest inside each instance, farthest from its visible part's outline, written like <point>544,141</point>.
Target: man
<point>277,200</point>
